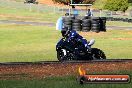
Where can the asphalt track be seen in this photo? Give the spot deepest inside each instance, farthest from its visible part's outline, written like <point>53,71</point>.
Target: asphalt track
<point>26,23</point>
<point>50,24</point>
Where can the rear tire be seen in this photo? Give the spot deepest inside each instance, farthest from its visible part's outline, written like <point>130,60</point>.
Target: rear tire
<point>98,54</point>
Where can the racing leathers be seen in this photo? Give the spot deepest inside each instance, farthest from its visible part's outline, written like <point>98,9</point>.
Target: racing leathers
<point>73,35</point>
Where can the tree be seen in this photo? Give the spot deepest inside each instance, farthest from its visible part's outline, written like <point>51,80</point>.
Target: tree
<point>123,5</point>
<point>66,2</point>
<point>117,5</point>
<point>99,4</point>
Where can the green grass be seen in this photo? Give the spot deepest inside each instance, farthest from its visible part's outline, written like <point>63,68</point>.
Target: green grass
<point>59,82</point>
<point>25,15</point>
<point>19,11</point>
<point>27,43</point>
<point>115,43</point>
<point>20,43</point>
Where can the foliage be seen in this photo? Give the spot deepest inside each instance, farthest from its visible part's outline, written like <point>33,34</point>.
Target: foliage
<point>117,5</point>
<point>99,4</point>
<point>66,2</point>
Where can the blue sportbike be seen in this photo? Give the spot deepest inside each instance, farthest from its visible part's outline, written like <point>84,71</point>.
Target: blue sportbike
<point>72,46</point>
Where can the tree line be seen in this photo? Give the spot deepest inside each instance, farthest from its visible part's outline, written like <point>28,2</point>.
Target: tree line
<point>112,5</point>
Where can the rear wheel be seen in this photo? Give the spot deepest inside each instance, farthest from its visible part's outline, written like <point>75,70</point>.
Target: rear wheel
<point>98,54</point>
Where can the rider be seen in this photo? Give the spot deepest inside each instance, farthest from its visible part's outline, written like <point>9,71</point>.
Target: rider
<point>72,34</point>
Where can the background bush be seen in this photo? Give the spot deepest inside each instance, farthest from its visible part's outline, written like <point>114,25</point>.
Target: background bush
<point>117,5</point>
<point>66,2</point>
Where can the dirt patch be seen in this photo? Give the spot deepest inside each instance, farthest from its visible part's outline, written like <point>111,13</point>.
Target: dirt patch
<point>49,2</point>
<point>32,71</point>
<point>130,32</point>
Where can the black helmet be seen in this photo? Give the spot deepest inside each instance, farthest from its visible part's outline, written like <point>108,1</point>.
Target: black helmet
<point>65,32</point>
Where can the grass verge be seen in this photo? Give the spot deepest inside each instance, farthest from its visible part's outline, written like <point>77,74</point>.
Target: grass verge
<point>27,43</point>
<point>11,10</point>
<point>20,43</point>
<point>25,15</point>
<point>60,82</point>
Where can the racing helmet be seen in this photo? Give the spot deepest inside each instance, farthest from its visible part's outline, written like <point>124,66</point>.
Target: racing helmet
<point>65,32</point>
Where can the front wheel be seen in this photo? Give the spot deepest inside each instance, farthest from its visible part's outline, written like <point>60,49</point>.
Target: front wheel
<point>98,54</point>
<point>64,55</point>
<point>61,54</point>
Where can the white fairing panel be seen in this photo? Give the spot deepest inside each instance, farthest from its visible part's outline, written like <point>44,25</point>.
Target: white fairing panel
<point>91,42</point>
<point>64,51</point>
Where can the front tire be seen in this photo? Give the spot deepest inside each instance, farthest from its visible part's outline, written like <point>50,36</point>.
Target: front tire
<point>61,54</point>
<point>64,55</point>
<point>98,54</point>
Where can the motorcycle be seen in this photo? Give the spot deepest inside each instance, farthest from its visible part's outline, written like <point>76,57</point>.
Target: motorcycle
<point>75,50</point>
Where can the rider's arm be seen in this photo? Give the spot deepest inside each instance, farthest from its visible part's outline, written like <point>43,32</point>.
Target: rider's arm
<point>82,40</point>
<point>75,36</point>
<point>72,35</point>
